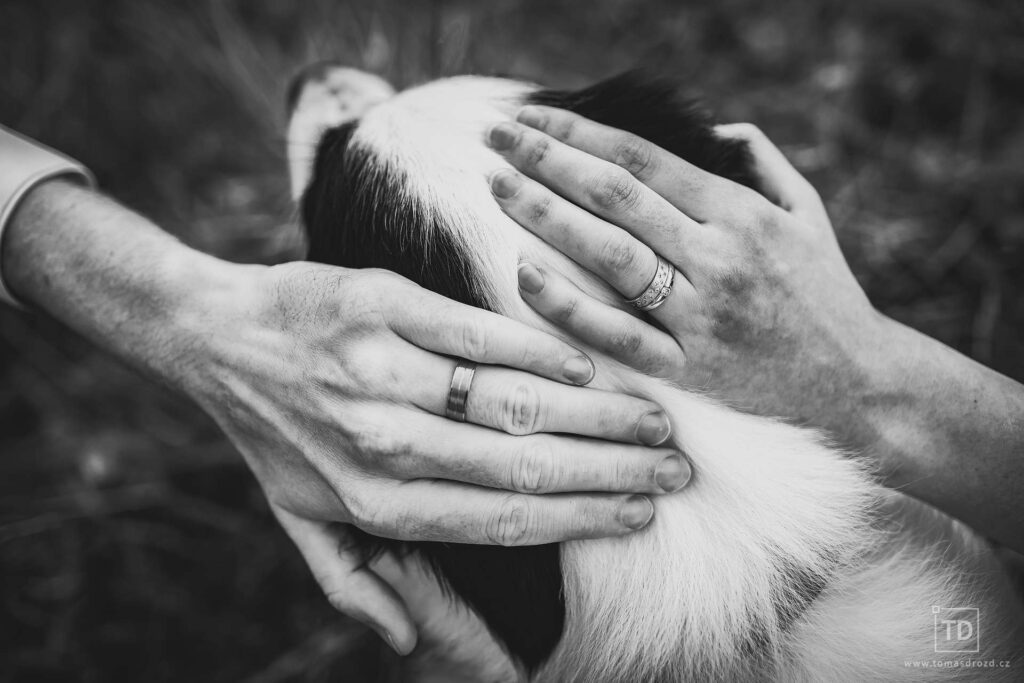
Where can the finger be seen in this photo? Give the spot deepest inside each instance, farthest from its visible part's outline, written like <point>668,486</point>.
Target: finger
<point>621,260</point>
<point>519,403</point>
<point>624,337</point>
<point>349,585</point>
<point>431,447</point>
<point>602,188</point>
<point>438,324</point>
<point>700,195</point>
<point>456,513</point>
<point>776,177</point>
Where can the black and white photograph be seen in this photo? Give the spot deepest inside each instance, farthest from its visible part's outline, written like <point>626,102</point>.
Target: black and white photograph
<point>521,341</point>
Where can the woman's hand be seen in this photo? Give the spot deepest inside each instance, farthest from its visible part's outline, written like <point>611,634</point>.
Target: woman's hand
<point>333,384</point>
<point>764,311</point>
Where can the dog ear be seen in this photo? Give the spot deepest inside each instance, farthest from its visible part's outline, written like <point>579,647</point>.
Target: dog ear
<point>320,97</point>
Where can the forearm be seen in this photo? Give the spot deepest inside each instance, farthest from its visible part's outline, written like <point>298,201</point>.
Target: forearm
<point>949,431</point>
<point>113,276</point>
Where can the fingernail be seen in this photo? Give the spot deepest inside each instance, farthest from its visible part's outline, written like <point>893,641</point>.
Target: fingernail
<point>530,278</point>
<point>637,512</point>
<point>391,642</point>
<point>505,184</point>
<point>579,370</point>
<point>653,429</point>
<point>502,136</point>
<point>673,473</point>
<point>384,634</point>
<point>532,116</point>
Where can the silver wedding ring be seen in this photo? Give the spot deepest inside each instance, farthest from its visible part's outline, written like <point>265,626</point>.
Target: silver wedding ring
<point>658,290</point>
<point>462,378</point>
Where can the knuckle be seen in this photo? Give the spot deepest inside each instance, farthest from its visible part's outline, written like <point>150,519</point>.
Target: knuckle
<point>359,365</point>
<point>376,285</point>
<point>626,342</point>
<point>627,473</point>
<point>618,191</point>
<point>474,340</point>
<point>381,279</point>
<point>538,151</point>
<point>400,457</point>
<point>567,310</point>
<point>373,441</point>
<point>510,523</point>
<point>618,255</point>
<point>565,129</point>
<point>539,210</point>
<point>521,411</point>
<point>364,513</point>
<point>409,524</point>
<point>365,442</point>
<point>635,155</point>
<point>735,284</point>
<point>532,472</point>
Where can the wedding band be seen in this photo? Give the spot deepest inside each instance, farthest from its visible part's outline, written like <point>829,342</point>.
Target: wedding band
<point>658,290</point>
<point>462,378</point>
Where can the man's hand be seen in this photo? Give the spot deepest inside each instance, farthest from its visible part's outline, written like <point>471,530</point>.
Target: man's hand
<point>333,382</point>
<point>340,377</point>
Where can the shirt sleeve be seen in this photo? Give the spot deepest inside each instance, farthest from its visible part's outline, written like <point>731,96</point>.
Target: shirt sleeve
<point>24,163</point>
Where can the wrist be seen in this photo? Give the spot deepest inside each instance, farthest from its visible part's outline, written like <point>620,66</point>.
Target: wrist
<point>949,431</point>
<point>867,403</point>
<point>211,302</point>
<point>118,280</point>
<point>901,433</point>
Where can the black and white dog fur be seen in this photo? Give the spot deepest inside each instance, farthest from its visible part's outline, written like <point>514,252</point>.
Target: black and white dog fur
<point>783,560</point>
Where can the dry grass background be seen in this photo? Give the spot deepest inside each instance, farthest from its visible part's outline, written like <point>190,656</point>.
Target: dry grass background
<point>133,544</point>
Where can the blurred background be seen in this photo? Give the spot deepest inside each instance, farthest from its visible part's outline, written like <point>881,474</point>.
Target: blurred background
<point>134,545</point>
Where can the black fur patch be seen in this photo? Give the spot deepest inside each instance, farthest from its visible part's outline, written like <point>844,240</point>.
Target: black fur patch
<point>357,215</point>
<point>659,110</point>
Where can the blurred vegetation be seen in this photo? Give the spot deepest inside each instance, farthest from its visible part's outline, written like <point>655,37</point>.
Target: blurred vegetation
<point>133,543</point>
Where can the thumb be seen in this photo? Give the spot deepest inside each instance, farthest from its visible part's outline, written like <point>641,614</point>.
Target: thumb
<point>778,180</point>
<point>351,587</point>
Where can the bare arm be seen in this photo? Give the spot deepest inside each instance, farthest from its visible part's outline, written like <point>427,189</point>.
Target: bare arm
<point>947,430</point>
<point>764,312</point>
<point>114,277</point>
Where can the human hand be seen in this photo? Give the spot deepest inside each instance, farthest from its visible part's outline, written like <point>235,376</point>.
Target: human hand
<point>764,311</point>
<point>332,384</point>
